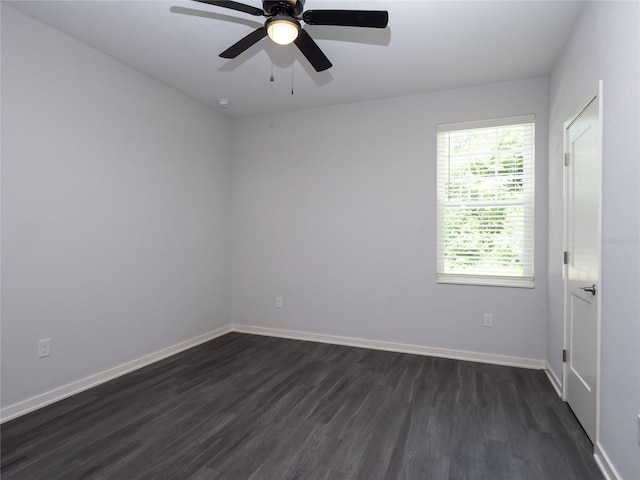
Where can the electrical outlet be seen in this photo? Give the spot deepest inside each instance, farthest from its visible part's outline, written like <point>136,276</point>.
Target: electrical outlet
<point>44,348</point>
<point>278,302</point>
<point>488,320</point>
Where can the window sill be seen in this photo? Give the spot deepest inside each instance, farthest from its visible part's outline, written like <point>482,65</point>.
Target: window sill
<point>485,280</point>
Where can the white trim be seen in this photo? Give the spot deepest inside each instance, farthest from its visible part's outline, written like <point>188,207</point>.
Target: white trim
<point>52,396</point>
<point>606,467</point>
<point>485,280</point>
<point>393,347</point>
<point>486,123</point>
<point>599,307</point>
<point>555,382</point>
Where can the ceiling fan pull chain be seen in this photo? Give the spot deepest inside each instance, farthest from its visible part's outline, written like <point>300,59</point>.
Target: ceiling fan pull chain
<point>292,62</point>
<point>271,57</point>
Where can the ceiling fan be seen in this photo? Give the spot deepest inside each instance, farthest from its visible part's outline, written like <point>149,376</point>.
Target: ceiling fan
<point>283,25</point>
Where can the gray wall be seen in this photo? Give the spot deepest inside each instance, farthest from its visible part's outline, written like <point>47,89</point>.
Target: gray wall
<point>605,46</point>
<point>334,209</point>
<point>115,212</point>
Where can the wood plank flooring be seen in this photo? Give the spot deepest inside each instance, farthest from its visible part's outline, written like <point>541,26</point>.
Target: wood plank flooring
<point>245,407</point>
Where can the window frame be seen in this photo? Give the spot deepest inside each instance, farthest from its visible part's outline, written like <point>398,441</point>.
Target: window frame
<point>528,201</point>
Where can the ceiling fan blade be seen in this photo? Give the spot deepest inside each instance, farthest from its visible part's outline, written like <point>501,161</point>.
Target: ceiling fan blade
<point>240,7</point>
<point>347,18</point>
<point>244,43</point>
<point>312,52</point>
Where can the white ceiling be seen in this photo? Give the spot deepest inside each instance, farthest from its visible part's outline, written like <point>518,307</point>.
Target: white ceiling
<point>428,46</point>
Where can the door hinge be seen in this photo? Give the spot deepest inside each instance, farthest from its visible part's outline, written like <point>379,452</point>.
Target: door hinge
<point>565,258</point>
<point>564,356</point>
<point>567,159</point>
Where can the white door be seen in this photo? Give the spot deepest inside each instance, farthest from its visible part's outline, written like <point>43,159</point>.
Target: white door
<point>583,236</point>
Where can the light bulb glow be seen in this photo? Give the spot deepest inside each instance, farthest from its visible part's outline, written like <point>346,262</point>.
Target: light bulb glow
<point>283,32</point>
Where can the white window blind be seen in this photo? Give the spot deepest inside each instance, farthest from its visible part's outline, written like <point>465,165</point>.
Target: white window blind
<point>486,202</point>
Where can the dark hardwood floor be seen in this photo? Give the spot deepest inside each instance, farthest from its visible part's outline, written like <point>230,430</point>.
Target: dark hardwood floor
<point>249,407</point>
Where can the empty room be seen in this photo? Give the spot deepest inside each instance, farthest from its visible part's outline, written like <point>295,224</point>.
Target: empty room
<point>320,240</point>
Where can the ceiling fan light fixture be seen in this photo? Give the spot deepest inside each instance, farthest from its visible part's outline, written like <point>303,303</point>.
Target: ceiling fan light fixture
<point>283,29</point>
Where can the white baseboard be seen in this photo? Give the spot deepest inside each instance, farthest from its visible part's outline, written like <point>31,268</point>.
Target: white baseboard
<point>47,398</point>
<point>606,467</point>
<point>557,384</point>
<point>39,401</point>
<point>393,347</point>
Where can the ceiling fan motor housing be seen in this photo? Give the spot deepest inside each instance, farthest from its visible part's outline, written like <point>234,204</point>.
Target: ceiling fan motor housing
<point>283,7</point>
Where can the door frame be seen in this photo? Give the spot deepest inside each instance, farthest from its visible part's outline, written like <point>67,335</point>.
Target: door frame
<point>565,226</point>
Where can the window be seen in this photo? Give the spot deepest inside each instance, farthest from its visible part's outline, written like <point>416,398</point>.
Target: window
<point>486,202</point>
